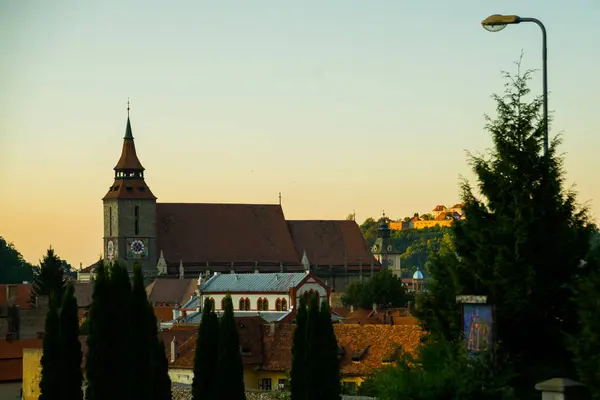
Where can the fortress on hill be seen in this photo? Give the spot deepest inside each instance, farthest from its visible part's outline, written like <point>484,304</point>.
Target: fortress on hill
<point>189,239</point>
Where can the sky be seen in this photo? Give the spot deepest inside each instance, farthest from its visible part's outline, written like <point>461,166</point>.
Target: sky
<point>340,105</point>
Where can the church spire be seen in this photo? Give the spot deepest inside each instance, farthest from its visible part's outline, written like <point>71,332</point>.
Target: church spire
<point>129,172</point>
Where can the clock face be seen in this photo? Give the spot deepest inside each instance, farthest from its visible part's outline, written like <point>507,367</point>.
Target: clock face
<point>110,249</point>
<point>136,247</point>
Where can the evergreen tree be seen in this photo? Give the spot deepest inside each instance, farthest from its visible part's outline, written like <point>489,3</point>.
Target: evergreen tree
<point>160,370</point>
<point>141,347</point>
<point>51,380</point>
<point>313,346</point>
<point>328,356</point>
<point>121,339</point>
<point>49,278</point>
<point>230,369</point>
<point>70,348</point>
<point>299,349</point>
<point>207,354</point>
<point>100,358</point>
<point>521,244</point>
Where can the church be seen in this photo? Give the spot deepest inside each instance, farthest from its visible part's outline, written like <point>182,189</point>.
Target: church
<point>190,239</point>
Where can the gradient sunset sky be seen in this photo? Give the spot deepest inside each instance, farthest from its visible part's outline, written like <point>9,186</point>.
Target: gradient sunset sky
<point>340,105</point>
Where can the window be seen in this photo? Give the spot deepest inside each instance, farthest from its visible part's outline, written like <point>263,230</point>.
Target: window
<point>278,305</point>
<point>259,305</point>
<point>213,302</point>
<point>244,304</point>
<point>283,305</point>
<point>137,219</point>
<point>109,221</point>
<point>223,303</point>
<point>265,384</point>
<point>265,305</point>
<point>281,384</point>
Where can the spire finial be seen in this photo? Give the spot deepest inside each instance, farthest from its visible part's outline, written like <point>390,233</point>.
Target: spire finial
<point>279,198</point>
<point>383,212</point>
<point>128,107</point>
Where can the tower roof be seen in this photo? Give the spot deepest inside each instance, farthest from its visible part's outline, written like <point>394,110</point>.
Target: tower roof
<point>129,159</point>
<point>129,173</point>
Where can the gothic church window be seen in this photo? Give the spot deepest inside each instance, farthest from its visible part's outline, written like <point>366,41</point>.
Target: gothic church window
<point>283,305</point>
<point>137,220</point>
<point>110,217</point>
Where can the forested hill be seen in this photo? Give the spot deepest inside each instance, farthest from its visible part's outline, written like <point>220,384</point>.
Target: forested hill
<point>417,245</point>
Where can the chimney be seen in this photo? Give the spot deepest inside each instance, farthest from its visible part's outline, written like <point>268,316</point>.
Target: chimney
<point>173,349</point>
<point>176,312</point>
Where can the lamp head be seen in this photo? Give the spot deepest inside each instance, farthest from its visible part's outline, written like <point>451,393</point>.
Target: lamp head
<point>497,22</point>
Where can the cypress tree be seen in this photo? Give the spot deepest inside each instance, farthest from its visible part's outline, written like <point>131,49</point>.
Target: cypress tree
<point>299,348</point>
<point>141,345</point>
<point>70,348</point>
<point>161,382</point>
<point>207,353</point>
<point>230,369</point>
<point>51,379</point>
<point>120,339</point>
<point>313,366</point>
<point>328,355</point>
<point>521,244</point>
<point>100,357</point>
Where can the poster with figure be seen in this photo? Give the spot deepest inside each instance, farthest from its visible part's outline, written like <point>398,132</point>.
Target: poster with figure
<point>477,322</point>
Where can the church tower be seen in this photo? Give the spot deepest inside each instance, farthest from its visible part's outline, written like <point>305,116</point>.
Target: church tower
<point>130,213</point>
<point>384,250</point>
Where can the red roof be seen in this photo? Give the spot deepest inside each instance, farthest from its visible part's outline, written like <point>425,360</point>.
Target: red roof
<point>335,243</point>
<point>223,233</point>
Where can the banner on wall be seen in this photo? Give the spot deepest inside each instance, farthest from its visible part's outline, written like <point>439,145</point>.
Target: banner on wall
<point>477,326</point>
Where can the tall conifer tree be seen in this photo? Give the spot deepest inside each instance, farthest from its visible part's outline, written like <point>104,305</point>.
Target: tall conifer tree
<point>100,355</point>
<point>141,345</point>
<point>299,348</point>
<point>51,380</point>
<point>313,346</point>
<point>121,339</point>
<point>49,278</point>
<point>70,348</point>
<point>521,244</point>
<point>207,354</point>
<point>230,368</point>
<point>161,382</point>
<point>328,355</point>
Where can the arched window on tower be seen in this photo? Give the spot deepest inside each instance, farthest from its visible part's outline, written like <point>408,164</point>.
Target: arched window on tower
<point>110,221</point>
<point>137,220</point>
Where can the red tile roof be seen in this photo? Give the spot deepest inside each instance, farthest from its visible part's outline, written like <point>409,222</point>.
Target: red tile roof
<point>163,313</point>
<point>335,243</point>
<point>168,291</point>
<point>217,233</point>
<point>439,208</point>
<point>377,344</point>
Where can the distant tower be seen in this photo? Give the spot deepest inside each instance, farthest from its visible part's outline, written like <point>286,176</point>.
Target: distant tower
<point>417,281</point>
<point>130,212</point>
<point>384,250</point>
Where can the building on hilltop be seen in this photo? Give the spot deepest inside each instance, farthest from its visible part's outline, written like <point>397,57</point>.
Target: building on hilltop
<point>196,238</point>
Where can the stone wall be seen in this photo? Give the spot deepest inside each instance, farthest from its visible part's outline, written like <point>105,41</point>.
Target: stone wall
<point>183,392</point>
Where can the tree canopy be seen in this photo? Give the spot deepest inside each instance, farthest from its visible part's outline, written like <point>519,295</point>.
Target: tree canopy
<point>205,382</point>
<point>383,289</point>
<point>13,267</point>
<point>49,278</point>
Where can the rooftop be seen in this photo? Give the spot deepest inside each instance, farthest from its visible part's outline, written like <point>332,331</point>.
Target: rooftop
<point>257,282</point>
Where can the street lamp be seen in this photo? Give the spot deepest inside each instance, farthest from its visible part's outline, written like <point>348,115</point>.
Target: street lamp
<point>495,23</point>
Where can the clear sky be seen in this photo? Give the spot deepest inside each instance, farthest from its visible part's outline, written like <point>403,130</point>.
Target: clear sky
<point>340,105</point>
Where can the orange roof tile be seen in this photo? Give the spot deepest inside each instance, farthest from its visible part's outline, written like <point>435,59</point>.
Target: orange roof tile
<point>163,313</point>
<point>377,343</point>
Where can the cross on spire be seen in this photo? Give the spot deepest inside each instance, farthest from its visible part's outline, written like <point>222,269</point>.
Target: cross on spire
<point>383,212</point>
<point>128,107</point>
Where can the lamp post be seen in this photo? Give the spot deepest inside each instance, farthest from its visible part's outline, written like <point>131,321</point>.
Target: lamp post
<point>495,23</point>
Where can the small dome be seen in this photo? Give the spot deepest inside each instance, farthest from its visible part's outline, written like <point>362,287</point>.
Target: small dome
<point>418,275</point>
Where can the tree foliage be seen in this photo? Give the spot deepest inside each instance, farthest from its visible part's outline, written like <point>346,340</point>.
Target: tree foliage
<point>49,278</point>
<point>13,267</point>
<point>329,372</point>
<point>204,385</point>
<point>383,289</point>
<point>70,348</point>
<point>230,369</point>
<point>51,379</point>
<point>141,321</point>
<point>521,245</point>
<point>299,349</point>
